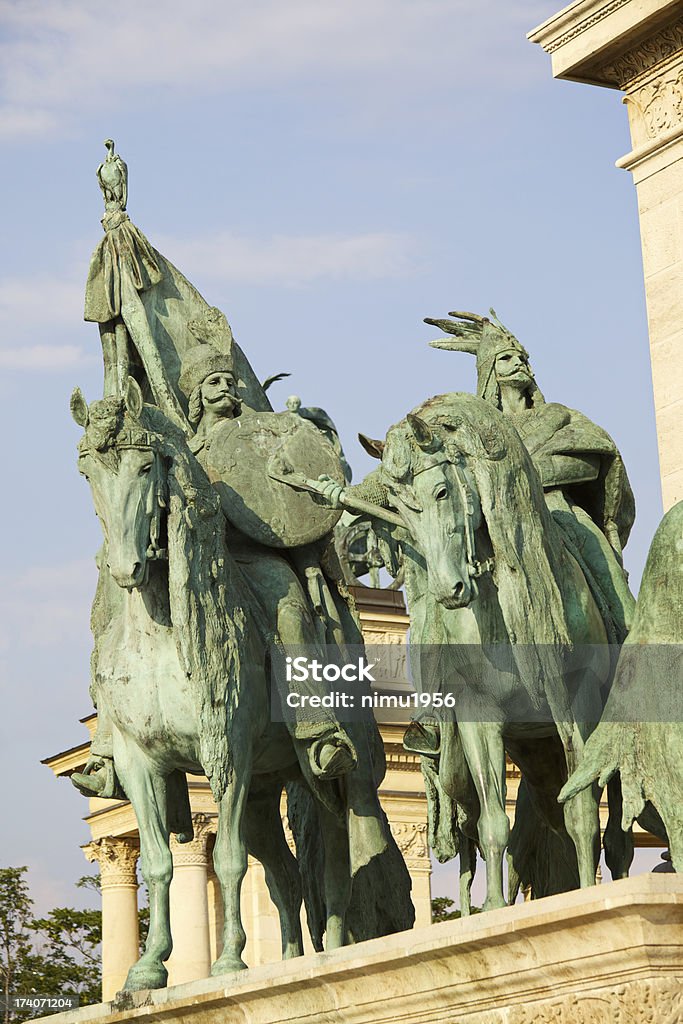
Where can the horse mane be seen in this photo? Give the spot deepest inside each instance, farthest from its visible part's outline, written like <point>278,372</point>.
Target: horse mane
<point>209,623</point>
<point>530,560</point>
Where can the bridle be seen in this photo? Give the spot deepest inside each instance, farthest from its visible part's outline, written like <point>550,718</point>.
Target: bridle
<point>475,567</point>
<point>142,440</point>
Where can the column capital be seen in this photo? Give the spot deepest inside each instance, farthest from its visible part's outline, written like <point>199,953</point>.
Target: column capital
<point>194,853</point>
<point>117,857</point>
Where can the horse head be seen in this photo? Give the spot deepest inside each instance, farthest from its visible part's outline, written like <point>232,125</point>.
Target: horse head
<point>435,492</point>
<point>121,460</point>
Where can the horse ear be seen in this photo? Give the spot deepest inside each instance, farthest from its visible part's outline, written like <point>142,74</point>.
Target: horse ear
<point>133,398</point>
<point>79,408</point>
<point>372,447</point>
<point>421,430</point>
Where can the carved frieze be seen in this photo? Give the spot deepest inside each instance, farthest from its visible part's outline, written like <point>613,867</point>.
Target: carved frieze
<point>646,56</point>
<point>411,839</point>
<point>661,104</point>
<point>645,1002</point>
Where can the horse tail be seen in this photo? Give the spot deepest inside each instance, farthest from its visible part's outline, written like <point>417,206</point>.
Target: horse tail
<point>540,858</point>
<point>380,897</point>
<point>304,821</point>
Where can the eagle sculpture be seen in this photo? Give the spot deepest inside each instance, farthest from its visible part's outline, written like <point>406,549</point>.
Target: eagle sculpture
<point>112,175</point>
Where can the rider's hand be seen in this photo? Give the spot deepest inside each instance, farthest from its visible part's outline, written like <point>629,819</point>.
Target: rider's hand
<point>331,493</point>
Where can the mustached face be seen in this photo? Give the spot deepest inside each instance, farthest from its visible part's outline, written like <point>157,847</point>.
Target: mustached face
<point>512,368</point>
<point>219,393</point>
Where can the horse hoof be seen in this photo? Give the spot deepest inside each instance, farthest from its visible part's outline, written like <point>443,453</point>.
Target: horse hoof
<point>142,976</point>
<point>494,904</point>
<point>228,964</point>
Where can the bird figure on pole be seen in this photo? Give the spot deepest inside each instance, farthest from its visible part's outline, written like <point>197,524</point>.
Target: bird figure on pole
<point>112,175</point>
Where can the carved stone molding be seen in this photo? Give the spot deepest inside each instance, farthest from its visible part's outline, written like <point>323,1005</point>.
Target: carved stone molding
<point>587,23</point>
<point>646,56</point>
<point>399,759</point>
<point>658,1001</point>
<point>117,857</point>
<point>411,839</point>
<point>385,636</point>
<point>195,854</point>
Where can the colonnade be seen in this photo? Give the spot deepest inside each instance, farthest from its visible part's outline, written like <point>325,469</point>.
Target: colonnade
<point>196,903</point>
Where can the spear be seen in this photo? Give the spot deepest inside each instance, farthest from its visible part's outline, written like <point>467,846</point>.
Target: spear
<point>301,483</point>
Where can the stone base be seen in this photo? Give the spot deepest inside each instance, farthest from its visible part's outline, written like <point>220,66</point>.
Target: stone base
<point>611,954</point>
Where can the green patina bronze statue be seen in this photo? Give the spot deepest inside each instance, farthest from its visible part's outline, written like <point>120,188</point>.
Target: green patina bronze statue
<point>211,569</point>
<point>641,732</point>
<point>582,472</point>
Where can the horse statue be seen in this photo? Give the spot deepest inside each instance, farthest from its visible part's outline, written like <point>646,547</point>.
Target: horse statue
<point>503,619</point>
<point>181,671</point>
<point>640,734</point>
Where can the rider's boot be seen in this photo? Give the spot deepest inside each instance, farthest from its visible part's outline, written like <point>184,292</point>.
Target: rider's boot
<point>97,781</point>
<point>332,755</point>
<point>423,738</point>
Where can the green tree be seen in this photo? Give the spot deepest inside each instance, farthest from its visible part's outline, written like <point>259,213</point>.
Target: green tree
<point>17,957</point>
<point>441,910</point>
<point>70,954</point>
<point>57,955</point>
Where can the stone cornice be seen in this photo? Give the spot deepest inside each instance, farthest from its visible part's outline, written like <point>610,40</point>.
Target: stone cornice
<point>565,26</point>
<point>610,42</point>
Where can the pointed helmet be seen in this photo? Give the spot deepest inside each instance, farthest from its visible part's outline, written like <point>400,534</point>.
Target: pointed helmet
<point>486,338</point>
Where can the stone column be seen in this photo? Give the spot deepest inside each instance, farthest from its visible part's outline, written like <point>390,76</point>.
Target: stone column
<point>637,46</point>
<point>411,839</point>
<point>117,859</point>
<point>191,956</point>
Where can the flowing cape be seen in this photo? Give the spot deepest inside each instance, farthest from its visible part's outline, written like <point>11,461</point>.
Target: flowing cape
<point>129,281</point>
<point>554,429</point>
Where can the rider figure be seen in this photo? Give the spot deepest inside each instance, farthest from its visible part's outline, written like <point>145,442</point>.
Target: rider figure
<point>208,381</point>
<point>583,476</point>
<point>210,385</point>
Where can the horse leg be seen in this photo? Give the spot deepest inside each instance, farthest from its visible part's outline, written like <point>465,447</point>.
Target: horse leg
<point>467,865</point>
<point>266,841</point>
<point>230,863</point>
<point>618,844</point>
<point>337,878</point>
<point>146,790</point>
<point>483,746</point>
<point>582,812</point>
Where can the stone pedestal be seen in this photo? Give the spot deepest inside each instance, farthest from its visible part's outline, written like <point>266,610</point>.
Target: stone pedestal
<point>612,954</point>
<point>637,46</point>
<point>117,859</point>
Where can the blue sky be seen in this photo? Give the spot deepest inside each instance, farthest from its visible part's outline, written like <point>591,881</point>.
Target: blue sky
<point>328,174</point>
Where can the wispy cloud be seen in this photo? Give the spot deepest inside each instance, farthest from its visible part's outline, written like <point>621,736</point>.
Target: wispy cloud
<point>46,606</point>
<point>33,311</point>
<point>63,57</point>
<point>295,260</point>
<point>45,358</point>
<point>37,312</point>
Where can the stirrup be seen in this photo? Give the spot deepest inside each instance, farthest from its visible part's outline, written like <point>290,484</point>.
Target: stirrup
<point>422,739</point>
